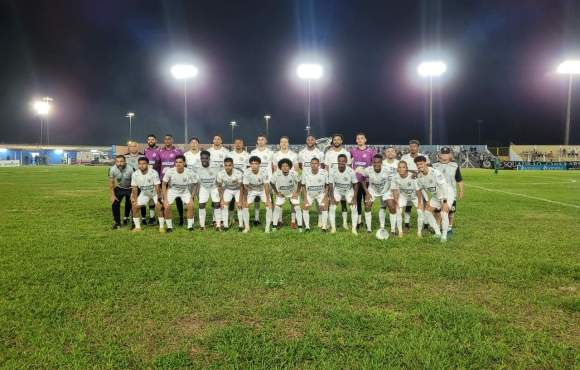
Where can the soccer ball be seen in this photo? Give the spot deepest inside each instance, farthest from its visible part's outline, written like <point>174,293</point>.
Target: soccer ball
<point>381,234</point>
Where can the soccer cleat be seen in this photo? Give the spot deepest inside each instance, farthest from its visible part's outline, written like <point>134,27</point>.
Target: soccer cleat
<point>307,230</point>
<point>407,225</point>
<point>369,231</point>
<point>393,234</point>
<point>267,230</point>
<point>246,230</point>
<point>293,226</point>
<point>136,229</point>
<point>144,221</point>
<point>202,228</point>
<point>226,229</point>
<point>241,228</point>
<point>436,236</point>
<point>151,222</point>
<point>190,229</point>
<point>256,222</point>
<point>300,229</point>
<point>345,226</point>
<point>162,231</point>
<point>400,234</point>
<point>274,228</point>
<point>181,221</point>
<point>126,221</point>
<point>169,230</point>
<point>450,232</point>
<point>333,230</point>
<point>354,231</point>
<point>116,226</point>
<point>443,239</point>
<point>419,234</point>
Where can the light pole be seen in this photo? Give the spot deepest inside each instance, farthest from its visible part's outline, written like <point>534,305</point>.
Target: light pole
<point>430,70</point>
<point>233,125</point>
<point>309,72</point>
<point>184,72</point>
<point>267,118</point>
<point>130,115</point>
<point>42,107</point>
<point>570,68</point>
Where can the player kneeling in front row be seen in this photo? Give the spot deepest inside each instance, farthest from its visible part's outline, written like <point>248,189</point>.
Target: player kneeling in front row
<point>343,185</point>
<point>285,184</point>
<point>407,194</point>
<point>146,188</point>
<point>256,188</point>
<point>208,189</point>
<point>229,182</point>
<point>178,182</point>
<point>379,188</point>
<point>433,182</point>
<point>314,189</point>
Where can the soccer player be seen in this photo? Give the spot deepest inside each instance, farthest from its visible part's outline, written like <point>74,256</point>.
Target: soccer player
<point>256,187</point>
<point>208,189</point>
<point>336,149</point>
<point>120,188</point>
<point>405,192</point>
<point>230,182</point>
<point>240,155</point>
<point>410,159</point>
<point>433,183</point>
<point>343,185</point>
<point>286,153</point>
<point>391,163</point>
<point>146,188</point>
<point>450,170</point>
<point>167,156</point>
<point>192,159</point>
<point>218,153</point>
<point>152,154</point>
<point>179,183</point>
<point>132,158</point>
<point>285,184</point>
<point>266,155</point>
<point>379,186</point>
<point>314,189</point>
<point>310,151</point>
<point>362,157</point>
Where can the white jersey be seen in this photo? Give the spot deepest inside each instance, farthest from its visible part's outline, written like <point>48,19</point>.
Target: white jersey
<point>292,156</point>
<point>265,156</point>
<point>180,183</point>
<point>285,184</point>
<point>207,177</point>
<point>314,183</point>
<point>451,173</point>
<point>305,157</point>
<point>241,160</point>
<point>391,167</point>
<point>192,160</point>
<point>342,182</point>
<point>146,182</point>
<point>331,158</point>
<point>255,181</point>
<point>230,182</point>
<point>433,183</point>
<point>217,156</point>
<point>407,186</point>
<point>379,183</point>
<point>411,161</point>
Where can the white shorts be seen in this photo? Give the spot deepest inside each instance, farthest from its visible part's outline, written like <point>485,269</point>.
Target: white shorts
<point>407,201</point>
<point>231,194</point>
<point>172,195</point>
<point>143,199</point>
<point>382,197</point>
<point>318,198</point>
<point>437,204</point>
<point>252,195</point>
<point>281,200</point>
<point>347,197</point>
<point>205,194</point>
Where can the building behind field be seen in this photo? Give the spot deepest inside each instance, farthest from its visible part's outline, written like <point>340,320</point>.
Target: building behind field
<point>27,154</point>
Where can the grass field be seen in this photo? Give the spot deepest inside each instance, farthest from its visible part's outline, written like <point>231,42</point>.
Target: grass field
<point>504,292</point>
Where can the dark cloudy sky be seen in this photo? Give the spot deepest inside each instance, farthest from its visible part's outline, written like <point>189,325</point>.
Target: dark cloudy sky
<point>99,59</point>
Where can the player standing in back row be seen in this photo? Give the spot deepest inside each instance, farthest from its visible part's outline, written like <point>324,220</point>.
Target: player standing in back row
<point>409,158</point>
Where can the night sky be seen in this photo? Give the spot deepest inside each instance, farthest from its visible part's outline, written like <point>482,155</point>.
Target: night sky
<point>100,59</point>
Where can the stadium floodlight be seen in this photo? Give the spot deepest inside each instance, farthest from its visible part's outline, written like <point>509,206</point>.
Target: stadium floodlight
<point>570,68</point>
<point>267,118</point>
<point>309,72</point>
<point>233,125</point>
<point>130,115</point>
<point>42,108</point>
<point>431,69</point>
<point>58,151</point>
<point>184,72</point>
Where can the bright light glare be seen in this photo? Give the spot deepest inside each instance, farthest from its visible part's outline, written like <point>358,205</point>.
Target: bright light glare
<point>431,69</point>
<point>41,107</point>
<point>3,150</point>
<point>267,116</point>
<point>233,123</point>
<point>130,115</point>
<point>58,151</point>
<point>309,71</point>
<point>184,71</point>
<point>569,67</point>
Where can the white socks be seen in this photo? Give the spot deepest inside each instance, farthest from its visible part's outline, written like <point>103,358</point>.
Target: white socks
<point>407,217</point>
<point>345,220</point>
<point>137,222</point>
<point>297,215</point>
<point>246,218</point>
<point>161,222</point>
<point>151,212</point>
<point>369,220</point>
<point>393,218</point>
<point>202,217</point>
<point>420,218</point>
<point>240,213</point>
<point>324,219</point>
<point>256,211</point>
<point>444,224</point>
<point>354,216</point>
<point>277,215</point>
<point>217,214</point>
<point>189,223</point>
<point>382,218</point>
<point>268,218</point>
<point>226,217</point>
<point>428,217</point>
<point>306,218</point>
<point>332,216</point>
<point>169,223</point>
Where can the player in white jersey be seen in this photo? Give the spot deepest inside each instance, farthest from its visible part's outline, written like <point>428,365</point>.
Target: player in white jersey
<point>218,153</point>
<point>230,182</point>
<point>433,183</point>
<point>406,193</point>
<point>378,188</point>
<point>266,155</point>
<point>285,184</point>
<point>256,188</point>
<point>335,150</point>
<point>410,159</point>
<point>208,189</point>
<point>179,182</point>
<point>450,170</point>
<point>146,188</point>
<point>240,156</point>
<point>343,185</point>
<point>314,189</point>
<point>286,153</point>
<point>310,151</point>
<point>192,159</point>
<point>391,162</point>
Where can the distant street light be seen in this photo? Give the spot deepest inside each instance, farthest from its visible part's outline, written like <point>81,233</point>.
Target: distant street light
<point>184,72</point>
<point>267,118</point>
<point>42,108</point>
<point>309,72</point>
<point>429,70</point>
<point>233,125</point>
<point>130,115</point>
<point>570,68</point>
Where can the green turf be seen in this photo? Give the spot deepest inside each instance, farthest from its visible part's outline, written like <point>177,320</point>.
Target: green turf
<point>502,293</point>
